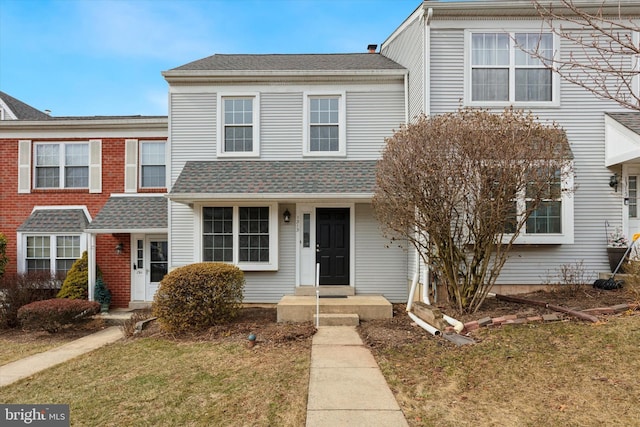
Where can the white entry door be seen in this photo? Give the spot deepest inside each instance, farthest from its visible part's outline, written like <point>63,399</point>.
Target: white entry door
<point>149,265</point>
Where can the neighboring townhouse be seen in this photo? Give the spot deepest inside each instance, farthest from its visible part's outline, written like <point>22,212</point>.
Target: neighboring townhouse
<point>74,184</point>
<point>462,54</point>
<point>273,161</point>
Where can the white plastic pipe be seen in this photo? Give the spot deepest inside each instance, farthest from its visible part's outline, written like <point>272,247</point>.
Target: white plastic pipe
<point>317,295</point>
<point>412,291</point>
<point>425,286</point>
<point>424,325</point>
<point>458,326</point>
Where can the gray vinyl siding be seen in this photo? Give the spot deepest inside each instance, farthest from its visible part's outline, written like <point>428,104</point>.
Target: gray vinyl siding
<point>581,115</point>
<point>271,286</point>
<point>192,129</point>
<point>281,125</point>
<point>181,235</point>
<point>381,266</point>
<point>371,117</point>
<point>407,49</point>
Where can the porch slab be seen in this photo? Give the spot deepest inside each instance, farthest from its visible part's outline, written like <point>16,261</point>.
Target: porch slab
<point>293,308</point>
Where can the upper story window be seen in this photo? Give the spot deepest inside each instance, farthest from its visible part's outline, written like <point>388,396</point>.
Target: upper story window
<point>502,72</point>
<point>324,125</point>
<point>238,129</point>
<point>152,164</point>
<point>62,165</point>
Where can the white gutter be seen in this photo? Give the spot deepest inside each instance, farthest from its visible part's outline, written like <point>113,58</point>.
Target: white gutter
<point>426,63</point>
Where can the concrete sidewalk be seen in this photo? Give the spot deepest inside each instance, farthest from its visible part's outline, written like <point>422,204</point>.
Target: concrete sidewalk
<point>346,387</point>
<point>23,368</point>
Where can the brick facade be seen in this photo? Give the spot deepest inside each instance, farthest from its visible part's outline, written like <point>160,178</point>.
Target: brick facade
<point>16,207</point>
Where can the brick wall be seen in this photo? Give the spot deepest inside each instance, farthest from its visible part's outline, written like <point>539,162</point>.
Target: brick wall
<point>15,209</point>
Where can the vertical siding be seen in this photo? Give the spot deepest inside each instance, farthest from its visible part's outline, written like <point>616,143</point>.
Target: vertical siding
<point>407,49</point>
<point>193,129</point>
<point>381,266</point>
<point>371,117</point>
<point>582,117</point>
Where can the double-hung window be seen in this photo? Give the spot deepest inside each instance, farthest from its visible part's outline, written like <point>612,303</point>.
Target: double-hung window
<point>152,164</point>
<point>241,235</point>
<point>62,165</point>
<point>501,71</point>
<point>53,254</point>
<point>324,124</point>
<point>547,217</point>
<point>238,128</point>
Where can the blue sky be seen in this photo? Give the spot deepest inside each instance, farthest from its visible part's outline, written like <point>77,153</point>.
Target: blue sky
<point>104,57</point>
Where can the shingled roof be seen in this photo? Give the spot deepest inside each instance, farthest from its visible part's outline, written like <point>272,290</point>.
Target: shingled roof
<point>320,177</point>
<point>293,62</point>
<point>55,221</point>
<point>630,120</point>
<point>21,110</point>
<point>130,214</point>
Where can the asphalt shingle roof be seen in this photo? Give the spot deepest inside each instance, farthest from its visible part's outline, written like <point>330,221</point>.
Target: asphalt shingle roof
<point>630,120</point>
<point>55,221</point>
<point>293,62</point>
<point>132,213</point>
<point>276,177</point>
<point>22,110</point>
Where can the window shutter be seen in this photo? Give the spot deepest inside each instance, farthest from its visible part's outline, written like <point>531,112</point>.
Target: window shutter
<point>131,166</point>
<point>95,166</point>
<point>24,166</point>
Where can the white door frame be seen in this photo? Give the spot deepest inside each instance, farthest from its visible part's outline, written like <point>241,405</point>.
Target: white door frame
<point>142,289</point>
<point>308,255</point>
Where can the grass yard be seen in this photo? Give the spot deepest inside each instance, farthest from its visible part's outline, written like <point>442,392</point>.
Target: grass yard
<point>161,382</point>
<point>555,374</point>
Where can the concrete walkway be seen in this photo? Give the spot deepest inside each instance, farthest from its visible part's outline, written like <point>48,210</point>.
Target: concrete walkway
<point>23,368</point>
<point>346,387</point>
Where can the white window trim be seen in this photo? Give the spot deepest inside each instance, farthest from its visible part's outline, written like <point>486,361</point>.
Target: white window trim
<point>342,125</point>
<point>272,265</point>
<point>151,141</point>
<point>566,236</point>
<point>255,125</point>
<point>22,247</point>
<point>555,79</point>
<point>62,184</point>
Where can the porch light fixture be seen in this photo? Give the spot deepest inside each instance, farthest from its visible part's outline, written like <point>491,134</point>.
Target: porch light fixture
<point>119,249</point>
<point>286,216</point>
<point>613,182</point>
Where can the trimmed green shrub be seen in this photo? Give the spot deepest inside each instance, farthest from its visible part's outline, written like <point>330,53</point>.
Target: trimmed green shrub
<point>76,284</point>
<point>52,314</point>
<point>17,290</point>
<point>198,296</point>
<point>3,254</point>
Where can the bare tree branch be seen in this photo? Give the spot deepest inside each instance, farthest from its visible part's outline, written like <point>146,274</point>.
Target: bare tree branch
<point>604,58</point>
<point>460,187</point>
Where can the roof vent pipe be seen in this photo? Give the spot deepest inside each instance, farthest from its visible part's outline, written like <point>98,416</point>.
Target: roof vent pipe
<point>372,48</point>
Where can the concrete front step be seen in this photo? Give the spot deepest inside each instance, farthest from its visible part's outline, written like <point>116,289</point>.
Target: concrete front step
<point>325,291</point>
<point>303,308</point>
<point>327,319</point>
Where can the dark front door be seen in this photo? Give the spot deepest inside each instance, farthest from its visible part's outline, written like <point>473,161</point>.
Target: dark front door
<point>332,245</point>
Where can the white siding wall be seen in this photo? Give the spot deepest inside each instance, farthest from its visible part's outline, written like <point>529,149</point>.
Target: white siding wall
<point>192,129</point>
<point>381,266</point>
<point>181,235</point>
<point>281,125</point>
<point>407,49</point>
<point>581,115</point>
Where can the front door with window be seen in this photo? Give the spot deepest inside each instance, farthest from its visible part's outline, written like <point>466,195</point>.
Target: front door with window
<point>332,245</point>
<point>149,265</point>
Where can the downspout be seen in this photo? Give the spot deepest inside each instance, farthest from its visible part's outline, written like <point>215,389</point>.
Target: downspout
<point>91,267</point>
<point>426,63</point>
